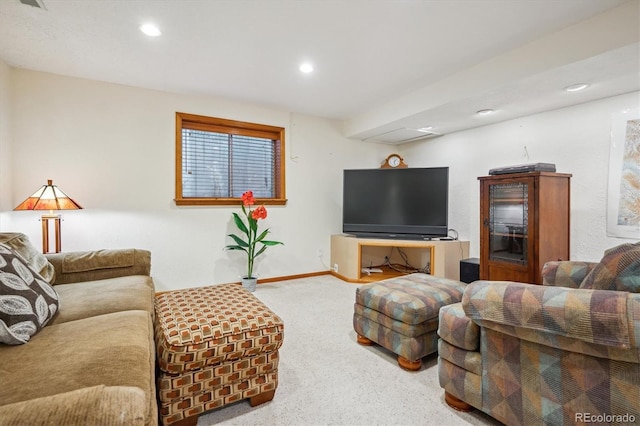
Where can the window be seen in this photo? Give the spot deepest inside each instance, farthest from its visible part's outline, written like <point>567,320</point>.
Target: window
<point>217,160</point>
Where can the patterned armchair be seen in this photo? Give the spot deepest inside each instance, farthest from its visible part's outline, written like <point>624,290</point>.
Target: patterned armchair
<point>564,353</point>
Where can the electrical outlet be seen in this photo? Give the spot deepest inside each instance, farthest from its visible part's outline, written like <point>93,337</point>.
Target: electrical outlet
<point>319,252</point>
<point>335,267</point>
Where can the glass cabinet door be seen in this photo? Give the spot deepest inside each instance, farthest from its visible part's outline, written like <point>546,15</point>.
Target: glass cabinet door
<point>508,222</point>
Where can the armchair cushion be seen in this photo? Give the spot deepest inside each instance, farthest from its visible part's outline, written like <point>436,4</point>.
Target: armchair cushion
<point>565,273</point>
<point>619,270</point>
<point>27,301</point>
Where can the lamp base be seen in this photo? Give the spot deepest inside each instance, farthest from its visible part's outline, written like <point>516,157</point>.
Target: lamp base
<point>45,232</point>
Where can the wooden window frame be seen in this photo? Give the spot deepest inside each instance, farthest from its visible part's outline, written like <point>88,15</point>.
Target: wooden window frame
<point>221,125</point>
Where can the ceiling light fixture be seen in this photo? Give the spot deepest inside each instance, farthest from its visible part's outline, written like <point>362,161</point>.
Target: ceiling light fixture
<point>576,87</point>
<point>426,129</point>
<point>485,111</point>
<point>150,30</point>
<point>306,68</point>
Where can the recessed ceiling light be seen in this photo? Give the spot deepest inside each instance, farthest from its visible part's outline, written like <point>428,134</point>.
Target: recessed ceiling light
<point>485,111</point>
<point>150,30</point>
<point>576,87</point>
<point>306,68</point>
<point>426,129</point>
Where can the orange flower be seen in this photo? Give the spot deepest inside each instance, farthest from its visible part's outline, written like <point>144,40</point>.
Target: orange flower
<point>259,213</point>
<point>247,198</point>
<point>251,241</point>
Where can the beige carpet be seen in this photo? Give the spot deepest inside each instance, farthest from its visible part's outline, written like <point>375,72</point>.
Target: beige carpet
<point>326,378</point>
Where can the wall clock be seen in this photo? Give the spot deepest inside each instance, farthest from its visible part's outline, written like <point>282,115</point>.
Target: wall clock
<point>393,161</point>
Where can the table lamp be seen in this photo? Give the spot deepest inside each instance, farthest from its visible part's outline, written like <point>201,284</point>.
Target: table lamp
<point>51,198</point>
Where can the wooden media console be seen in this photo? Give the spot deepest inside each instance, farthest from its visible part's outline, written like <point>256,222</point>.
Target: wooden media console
<point>350,254</point>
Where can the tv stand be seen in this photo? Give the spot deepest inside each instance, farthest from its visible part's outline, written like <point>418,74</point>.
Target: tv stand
<point>409,237</point>
<point>351,254</point>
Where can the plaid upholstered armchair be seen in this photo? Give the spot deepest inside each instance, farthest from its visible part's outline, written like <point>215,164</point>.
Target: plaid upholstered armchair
<point>564,353</point>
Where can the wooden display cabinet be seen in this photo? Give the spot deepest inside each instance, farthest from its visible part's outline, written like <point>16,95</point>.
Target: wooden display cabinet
<point>351,254</point>
<point>524,223</point>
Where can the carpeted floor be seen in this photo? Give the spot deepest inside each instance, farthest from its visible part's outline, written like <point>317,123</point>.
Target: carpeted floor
<point>326,378</point>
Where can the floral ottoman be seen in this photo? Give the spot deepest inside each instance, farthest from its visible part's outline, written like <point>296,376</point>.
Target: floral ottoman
<point>215,345</point>
<point>401,314</point>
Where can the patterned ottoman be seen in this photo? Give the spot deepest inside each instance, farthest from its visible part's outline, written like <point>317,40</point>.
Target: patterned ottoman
<point>216,345</point>
<point>401,314</point>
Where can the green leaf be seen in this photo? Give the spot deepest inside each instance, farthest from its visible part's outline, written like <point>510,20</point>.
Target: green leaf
<point>260,251</point>
<point>239,240</point>
<point>237,248</point>
<point>264,234</point>
<point>253,223</point>
<point>271,243</point>
<point>240,224</point>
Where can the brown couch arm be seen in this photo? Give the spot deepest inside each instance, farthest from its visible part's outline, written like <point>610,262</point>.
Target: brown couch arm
<point>73,267</point>
<point>98,405</point>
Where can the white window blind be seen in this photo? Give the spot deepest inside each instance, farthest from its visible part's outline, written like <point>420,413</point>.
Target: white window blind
<point>224,165</point>
<point>217,160</point>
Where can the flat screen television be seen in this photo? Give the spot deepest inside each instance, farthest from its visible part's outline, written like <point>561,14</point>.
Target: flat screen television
<point>409,203</point>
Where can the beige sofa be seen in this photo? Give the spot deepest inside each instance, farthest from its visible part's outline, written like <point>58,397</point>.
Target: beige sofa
<point>94,362</point>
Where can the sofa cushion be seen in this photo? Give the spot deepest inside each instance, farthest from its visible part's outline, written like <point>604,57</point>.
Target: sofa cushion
<point>21,244</point>
<point>93,298</point>
<point>112,350</point>
<point>27,301</point>
<point>96,405</point>
<point>98,259</point>
<point>75,267</point>
<point>618,270</point>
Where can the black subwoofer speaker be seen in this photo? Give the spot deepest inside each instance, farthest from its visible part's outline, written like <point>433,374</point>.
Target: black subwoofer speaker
<point>470,270</point>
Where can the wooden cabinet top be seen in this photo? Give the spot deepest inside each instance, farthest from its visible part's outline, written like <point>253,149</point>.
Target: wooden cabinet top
<point>525,174</point>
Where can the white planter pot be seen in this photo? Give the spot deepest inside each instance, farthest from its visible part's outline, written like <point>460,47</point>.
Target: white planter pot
<point>249,283</point>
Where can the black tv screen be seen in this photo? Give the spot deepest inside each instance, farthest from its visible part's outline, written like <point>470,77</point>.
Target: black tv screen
<point>410,203</point>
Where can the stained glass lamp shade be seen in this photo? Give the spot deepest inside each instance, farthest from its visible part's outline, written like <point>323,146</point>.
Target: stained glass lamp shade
<point>51,198</point>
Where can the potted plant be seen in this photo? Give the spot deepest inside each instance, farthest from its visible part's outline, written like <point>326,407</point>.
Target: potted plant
<point>248,243</point>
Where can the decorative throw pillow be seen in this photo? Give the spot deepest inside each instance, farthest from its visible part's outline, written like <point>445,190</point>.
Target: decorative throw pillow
<point>619,270</point>
<point>20,244</point>
<point>27,301</point>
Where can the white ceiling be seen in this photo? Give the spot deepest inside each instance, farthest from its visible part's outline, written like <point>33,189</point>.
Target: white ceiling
<point>384,67</point>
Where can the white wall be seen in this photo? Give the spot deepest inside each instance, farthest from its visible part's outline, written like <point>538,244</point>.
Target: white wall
<point>5,141</point>
<point>112,149</point>
<point>576,139</point>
